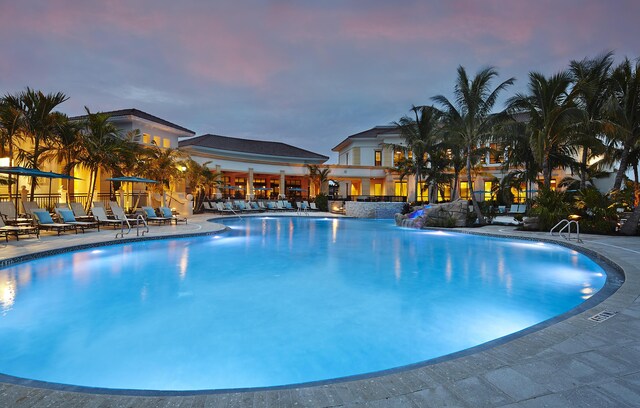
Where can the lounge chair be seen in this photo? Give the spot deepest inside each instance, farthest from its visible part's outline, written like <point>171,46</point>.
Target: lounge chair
<point>44,221</point>
<point>151,216</point>
<point>502,209</point>
<point>313,207</point>
<point>8,211</point>
<point>80,213</point>
<point>118,212</point>
<point>225,208</point>
<point>301,208</point>
<point>67,217</point>
<point>209,207</point>
<point>30,207</point>
<point>287,206</point>
<point>101,216</point>
<point>17,230</point>
<point>166,212</point>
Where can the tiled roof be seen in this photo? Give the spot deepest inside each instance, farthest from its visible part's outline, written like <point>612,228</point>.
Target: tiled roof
<point>371,133</point>
<point>250,146</point>
<point>142,115</point>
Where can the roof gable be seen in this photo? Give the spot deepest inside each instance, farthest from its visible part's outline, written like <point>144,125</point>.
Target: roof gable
<point>143,115</point>
<point>259,147</point>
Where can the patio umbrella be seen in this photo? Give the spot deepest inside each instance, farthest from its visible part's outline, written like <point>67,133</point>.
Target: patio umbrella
<point>132,179</point>
<point>25,171</point>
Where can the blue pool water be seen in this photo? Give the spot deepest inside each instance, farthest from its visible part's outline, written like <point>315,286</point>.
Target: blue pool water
<point>276,301</point>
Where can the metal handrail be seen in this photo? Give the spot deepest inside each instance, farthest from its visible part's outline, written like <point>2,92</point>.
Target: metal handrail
<point>566,226</point>
<point>139,219</point>
<point>559,224</point>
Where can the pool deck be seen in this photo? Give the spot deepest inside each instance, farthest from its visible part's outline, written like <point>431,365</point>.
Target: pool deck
<point>574,363</point>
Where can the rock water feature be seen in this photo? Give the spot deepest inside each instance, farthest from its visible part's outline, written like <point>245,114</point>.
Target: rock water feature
<point>454,214</point>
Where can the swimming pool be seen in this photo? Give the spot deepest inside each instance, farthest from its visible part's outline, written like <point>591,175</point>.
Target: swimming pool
<point>276,301</point>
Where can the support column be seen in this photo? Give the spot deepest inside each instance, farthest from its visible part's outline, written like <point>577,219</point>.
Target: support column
<point>283,192</point>
<point>250,192</point>
<point>365,186</point>
<point>217,191</point>
<point>344,188</point>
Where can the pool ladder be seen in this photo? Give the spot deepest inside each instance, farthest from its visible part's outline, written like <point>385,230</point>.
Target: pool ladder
<point>564,227</point>
<point>140,223</point>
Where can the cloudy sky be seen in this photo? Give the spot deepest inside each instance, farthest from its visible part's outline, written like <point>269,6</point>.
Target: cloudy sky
<point>307,73</point>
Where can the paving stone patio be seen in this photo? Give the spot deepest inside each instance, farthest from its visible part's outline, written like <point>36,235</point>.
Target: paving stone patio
<point>573,363</point>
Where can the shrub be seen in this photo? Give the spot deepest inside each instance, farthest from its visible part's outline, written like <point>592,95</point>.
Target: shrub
<point>597,211</point>
<point>322,202</point>
<point>550,207</point>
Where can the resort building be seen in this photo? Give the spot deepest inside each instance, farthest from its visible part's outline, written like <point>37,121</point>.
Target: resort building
<point>367,162</point>
<point>254,168</point>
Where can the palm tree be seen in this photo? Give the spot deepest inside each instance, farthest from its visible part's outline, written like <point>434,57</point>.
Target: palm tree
<point>420,136</point>
<point>623,113</point>
<point>162,165</point>
<point>40,124</point>
<point>11,122</point>
<point>200,179</point>
<point>552,118</point>
<point>469,117</point>
<point>591,78</point>
<point>319,177</point>
<point>104,149</point>
<point>11,118</point>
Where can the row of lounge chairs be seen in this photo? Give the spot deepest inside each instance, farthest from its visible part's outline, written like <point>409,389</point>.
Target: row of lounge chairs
<point>72,217</point>
<point>240,206</point>
<point>513,209</point>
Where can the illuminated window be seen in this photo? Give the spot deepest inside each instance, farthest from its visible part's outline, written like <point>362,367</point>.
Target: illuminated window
<point>553,184</point>
<point>488,191</point>
<point>377,158</point>
<point>464,190</point>
<point>398,155</point>
<point>495,155</point>
<point>377,189</point>
<point>423,192</point>
<point>401,188</point>
<point>444,192</point>
<point>166,143</point>
<point>156,141</point>
<point>146,138</point>
<point>519,194</point>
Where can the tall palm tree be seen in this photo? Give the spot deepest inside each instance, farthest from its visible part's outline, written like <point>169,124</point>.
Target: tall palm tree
<point>623,112</point>
<point>552,115</point>
<point>103,148</point>
<point>419,132</point>
<point>591,86</point>
<point>470,116</point>
<point>11,122</point>
<point>41,123</point>
<point>200,179</point>
<point>162,165</point>
<point>11,118</point>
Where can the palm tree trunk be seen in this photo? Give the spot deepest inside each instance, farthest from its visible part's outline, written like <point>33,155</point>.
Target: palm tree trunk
<point>583,169</point>
<point>456,178</point>
<point>417,180</point>
<point>624,159</point>
<point>546,173</point>
<point>476,207</point>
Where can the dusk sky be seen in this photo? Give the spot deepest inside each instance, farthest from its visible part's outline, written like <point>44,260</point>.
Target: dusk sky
<point>307,73</point>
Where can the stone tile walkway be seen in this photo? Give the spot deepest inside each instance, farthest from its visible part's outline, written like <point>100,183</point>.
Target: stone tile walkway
<point>573,363</point>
